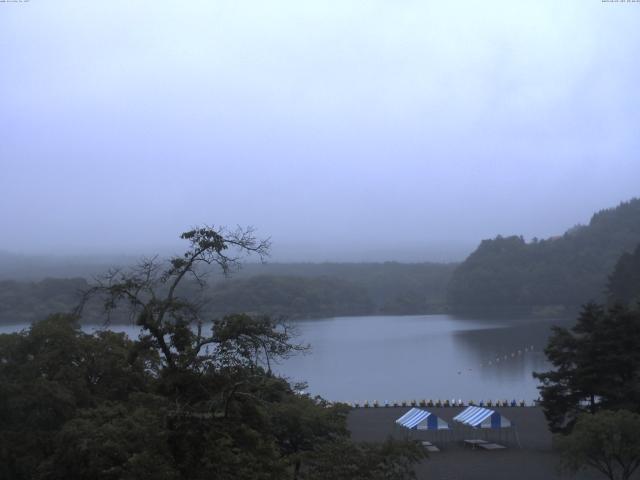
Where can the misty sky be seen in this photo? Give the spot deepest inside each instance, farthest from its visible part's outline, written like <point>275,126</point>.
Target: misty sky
<point>344,130</point>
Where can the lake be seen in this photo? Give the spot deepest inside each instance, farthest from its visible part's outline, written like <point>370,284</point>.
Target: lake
<point>389,358</point>
<point>395,358</point>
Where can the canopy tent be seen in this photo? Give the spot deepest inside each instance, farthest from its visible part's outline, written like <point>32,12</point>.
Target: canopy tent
<point>419,419</point>
<point>479,417</point>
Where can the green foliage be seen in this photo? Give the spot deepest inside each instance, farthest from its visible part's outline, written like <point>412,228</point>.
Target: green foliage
<point>565,271</point>
<point>23,302</point>
<point>606,441</point>
<point>111,442</point>
<point>291,296</point>
<point>51,373</point>
<point>624,282</point>
<point>250,342</point>
<point>179,402</point>
<point>100,406</point>
<point>308,290</point>
<point>289,290</point>
<point>343,460</point>
<point>302,423</point>
<point>596,366</point>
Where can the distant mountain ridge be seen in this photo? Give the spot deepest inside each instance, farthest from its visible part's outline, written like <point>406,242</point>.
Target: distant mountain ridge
<point>564,271</point>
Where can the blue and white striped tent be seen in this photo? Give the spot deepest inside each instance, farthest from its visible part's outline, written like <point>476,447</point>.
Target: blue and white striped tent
<point>419,419</point>
<point>479,417</point>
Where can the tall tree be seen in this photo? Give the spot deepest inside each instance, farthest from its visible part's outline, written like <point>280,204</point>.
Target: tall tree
<point>597,366</point>
<point>151,290</point>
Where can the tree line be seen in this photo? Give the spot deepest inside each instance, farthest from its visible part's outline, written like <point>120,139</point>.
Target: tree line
<point>564,272</point>
<point>290,290</point>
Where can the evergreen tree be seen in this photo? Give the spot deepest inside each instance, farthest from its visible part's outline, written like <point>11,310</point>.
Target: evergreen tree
<point>597,366</point>
<point>624,282</point>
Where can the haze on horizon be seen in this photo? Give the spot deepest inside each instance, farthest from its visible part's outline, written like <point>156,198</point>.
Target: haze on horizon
<point>344,130</point>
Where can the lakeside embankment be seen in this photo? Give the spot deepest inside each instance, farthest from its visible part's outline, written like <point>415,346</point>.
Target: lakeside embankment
<point>535,460</point>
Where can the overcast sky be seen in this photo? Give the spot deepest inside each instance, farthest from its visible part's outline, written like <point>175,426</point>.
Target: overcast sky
<point>344,130</point>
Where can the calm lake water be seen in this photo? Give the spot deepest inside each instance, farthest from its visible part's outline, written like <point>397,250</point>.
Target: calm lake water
<point>421,357</point>
<point>415,357</point>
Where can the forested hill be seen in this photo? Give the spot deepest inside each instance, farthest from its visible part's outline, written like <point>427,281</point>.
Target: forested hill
<point>290,290</point>
<point>624,282</point>
<point>565,271</point>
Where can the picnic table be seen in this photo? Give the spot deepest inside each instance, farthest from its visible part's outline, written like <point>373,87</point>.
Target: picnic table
<point>491,446</point>
<point>474,443</point>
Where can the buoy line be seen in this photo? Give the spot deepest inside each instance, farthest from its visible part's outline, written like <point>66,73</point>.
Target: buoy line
<point>503,358</point>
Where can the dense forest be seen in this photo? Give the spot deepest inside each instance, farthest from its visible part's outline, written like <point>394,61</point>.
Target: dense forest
<point>289,290</point>
<point>561,272</point>
<point>103,407</point>
<point>392,287</point>
<point>624,282</point>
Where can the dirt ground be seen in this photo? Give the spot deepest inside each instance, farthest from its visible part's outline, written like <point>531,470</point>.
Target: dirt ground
<point>529,454</point>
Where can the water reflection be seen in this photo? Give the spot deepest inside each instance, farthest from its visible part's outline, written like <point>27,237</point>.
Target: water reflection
<point>505,355</point>
<point>437,356</point>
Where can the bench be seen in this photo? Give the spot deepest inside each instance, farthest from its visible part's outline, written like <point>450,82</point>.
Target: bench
<point>491,446</point>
